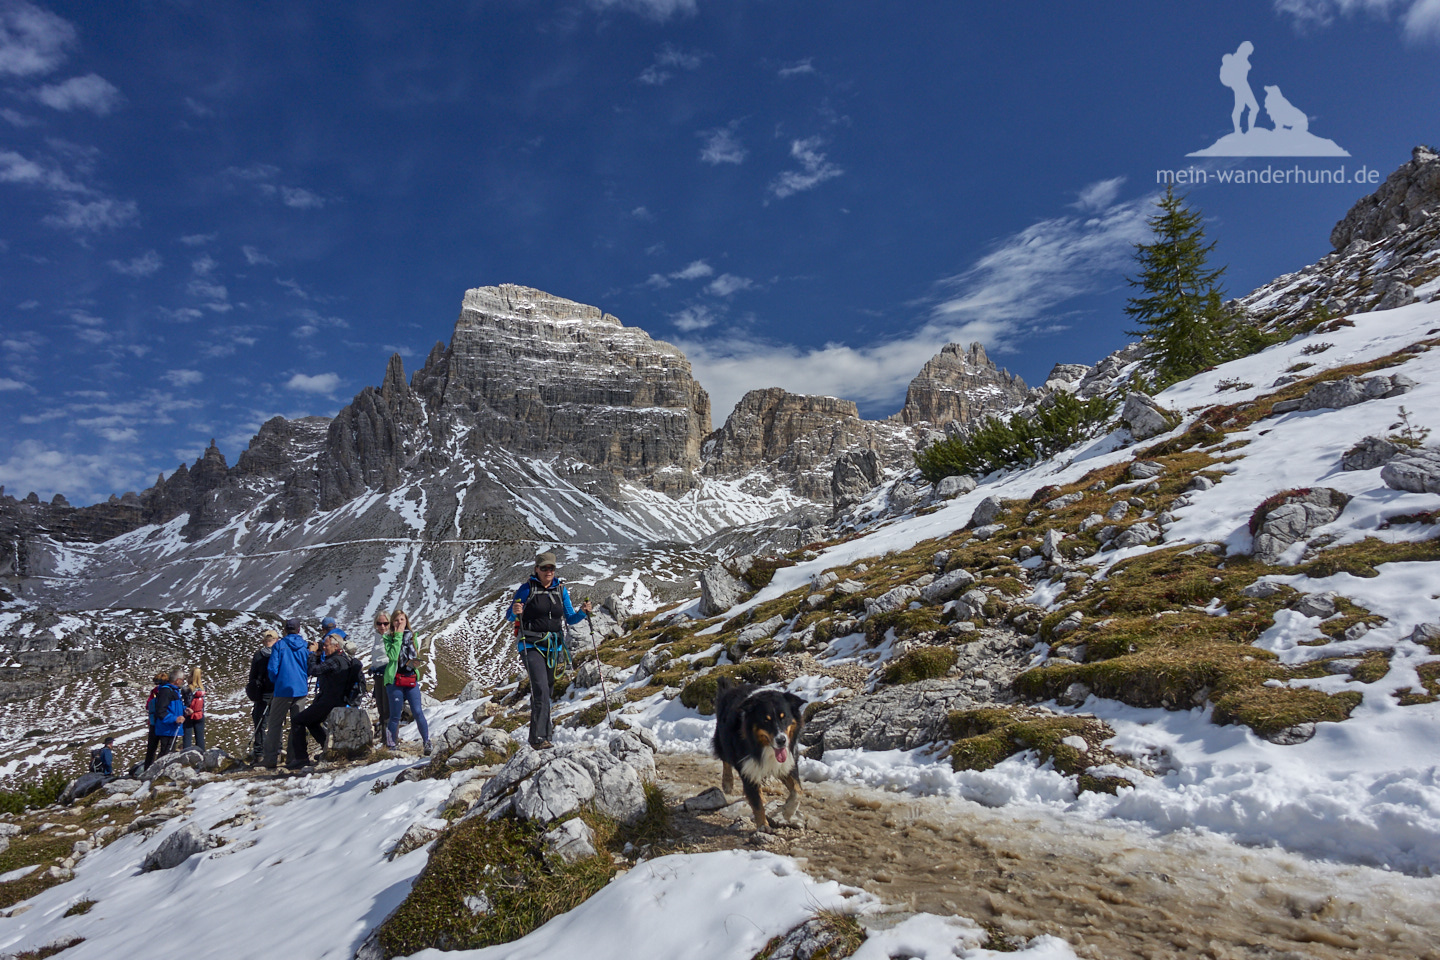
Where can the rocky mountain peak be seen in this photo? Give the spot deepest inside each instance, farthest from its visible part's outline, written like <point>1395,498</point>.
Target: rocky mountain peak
<point>543,376</point>
<point>1408,196</point>
<point>960,384</point>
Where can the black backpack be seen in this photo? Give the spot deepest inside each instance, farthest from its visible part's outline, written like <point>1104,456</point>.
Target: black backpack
<point>97,761</point>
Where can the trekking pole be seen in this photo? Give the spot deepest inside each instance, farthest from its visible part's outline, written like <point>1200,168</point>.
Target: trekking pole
<point>600,665</point>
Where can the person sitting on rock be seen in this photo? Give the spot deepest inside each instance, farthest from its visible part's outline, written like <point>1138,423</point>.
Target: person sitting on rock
<point>542,606</point>
<point>331,669</point>
<point>102,758</point>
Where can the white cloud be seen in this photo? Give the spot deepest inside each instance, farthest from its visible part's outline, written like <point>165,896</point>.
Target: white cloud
<point>254,257</point>
<point>254,172</point>
<point>1099,195</point>
<point>654,9</point>
<point>142,266</point>
<point>182,315</point>
<point>32,41</point>
<point>998,301</point>
<point>722,145</point>
<point>727,284</point>
<point>669,56</point>
<point>83,477</point>
<point>204,265</point>
<point>313,322</point>
<point>301,199</point>
<point>184,378</point>
<point>814,169</point>
<point>643,213</point>
<point>17,119</point>
<point>797,68</point>
<point>198,108</point>
<point>1419,19</point>
<point>91,92</point>
<point>202,289</point>
<point>7,384</point>
<point>18,169</point>
<point>198,239</point>
<point>324,383</point>
<point>694,270</point>
<point>658,281</point>
<point>96,215</point>
<point>694,318</point>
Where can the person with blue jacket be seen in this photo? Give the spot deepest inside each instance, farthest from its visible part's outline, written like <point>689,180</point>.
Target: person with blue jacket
<point>289,670</point>
<point>542,606</point>
<point>167,713</point>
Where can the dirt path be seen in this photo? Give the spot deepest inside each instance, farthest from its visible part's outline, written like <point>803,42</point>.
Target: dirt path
<point>1110,890</point>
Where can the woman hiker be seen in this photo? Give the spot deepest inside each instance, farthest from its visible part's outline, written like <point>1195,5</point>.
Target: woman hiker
<point>194,694</point>
<point>542,605</point>
<point>379,666</point>
<point>402,679</point>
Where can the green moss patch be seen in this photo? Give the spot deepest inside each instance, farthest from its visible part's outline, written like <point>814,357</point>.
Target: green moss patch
<point>906,623</point>
<point>987,736</point>
<point>488,883</point>
<point>1430,686</point>
<point>920,663</point>
<point>699,694</point>
<point>1361,559</point>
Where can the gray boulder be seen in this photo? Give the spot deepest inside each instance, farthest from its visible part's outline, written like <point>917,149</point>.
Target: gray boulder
<point>570,841</point>
<point>985,512</point>
<point>1262,589</point>
<point>897,598</point>
<point>1396,293</point>
<point>1369,453</point>
<point>557,789</point>
<point>418,834</point>
<point>1320,605</point>
<point>1065,500</point>
<point>1137,535</point>
<point>192,759</point>
<point>710,799</point>
<point>1117,512</point>
<point>619,791</point>
<point>952,487</point>
<point>350,730</point>
<point>1294,519</point>
<point>760,631</point>
<point>1050,544</point>
<point>1145,470</point>
<point>653,660</point>
<point>1427,635</point>
<point>629,747</point>
<point>947,586</point>
<point>591,672</point>
<point>179,847</point>
<point>987,531</point>
<point>81,786</point>
<point>719,590</point>
<point>1145,418</point>
<point>474,690</point>
<point>1416,471</point>
<point>1200,483</point>
<point>1347,392</point>
<point>894,718</point>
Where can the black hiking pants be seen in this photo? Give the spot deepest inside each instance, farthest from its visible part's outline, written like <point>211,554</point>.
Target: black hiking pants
<point>542,686</point>
<point>311,720</point>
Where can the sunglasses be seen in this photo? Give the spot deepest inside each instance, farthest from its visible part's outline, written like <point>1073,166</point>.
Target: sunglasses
<point>545,568</point>
<point>382,623</point>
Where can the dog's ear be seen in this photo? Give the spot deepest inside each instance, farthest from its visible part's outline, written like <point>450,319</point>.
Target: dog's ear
<point>723,684</point>
<point>797,706</point>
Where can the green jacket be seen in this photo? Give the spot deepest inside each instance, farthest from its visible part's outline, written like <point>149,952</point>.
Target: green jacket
<point>393,644</point>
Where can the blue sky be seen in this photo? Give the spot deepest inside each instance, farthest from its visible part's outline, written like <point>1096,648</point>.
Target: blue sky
<point>215,212</point>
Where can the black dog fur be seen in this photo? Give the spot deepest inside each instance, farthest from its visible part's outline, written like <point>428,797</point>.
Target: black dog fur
<point>754,728</point>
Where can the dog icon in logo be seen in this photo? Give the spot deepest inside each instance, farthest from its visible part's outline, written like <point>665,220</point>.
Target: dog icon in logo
<point>1285,114</point>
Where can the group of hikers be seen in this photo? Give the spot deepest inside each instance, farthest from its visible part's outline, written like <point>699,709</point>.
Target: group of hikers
<point>286,668</point>
<point>281,671</point>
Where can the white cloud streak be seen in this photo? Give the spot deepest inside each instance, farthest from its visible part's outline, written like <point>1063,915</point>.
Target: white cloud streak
<point>32,41</point>
<point>142,266</point>
<point>660,10</point>
<point>694,270</point>
<point>1419,19</point>
<point>184,378</point>
<point>722,145</point>
<point>797,69</point>
<point>94,216</point>
<point>814,169</point>
<point>321,383</point>
<point>669,56</point>
<point>255,257</point>
<point>91,93</point>
<point>727,284</point>
<point>1008,294</point>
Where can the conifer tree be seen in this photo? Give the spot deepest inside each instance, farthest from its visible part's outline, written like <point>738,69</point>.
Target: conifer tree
<point>1180,312</point>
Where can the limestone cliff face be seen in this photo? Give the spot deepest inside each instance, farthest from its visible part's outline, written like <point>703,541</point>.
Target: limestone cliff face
<point>960,384</point>
<point>798,439</point>
<point>1406,198</point>
<point>540,375</point>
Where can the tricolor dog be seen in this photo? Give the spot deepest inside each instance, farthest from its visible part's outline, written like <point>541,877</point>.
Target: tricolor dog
<point>757,732</point>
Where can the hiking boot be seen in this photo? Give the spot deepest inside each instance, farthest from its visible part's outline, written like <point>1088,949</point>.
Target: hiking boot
<point>426,751</point>
<point>541,744</point>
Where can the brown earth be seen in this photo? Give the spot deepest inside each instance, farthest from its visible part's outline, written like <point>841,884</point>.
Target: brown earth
<point>1111,890</point>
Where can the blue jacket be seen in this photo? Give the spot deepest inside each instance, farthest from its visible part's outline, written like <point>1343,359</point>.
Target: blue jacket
<point>167,710</point>
<point>290,666</point>
<point>525,640</point>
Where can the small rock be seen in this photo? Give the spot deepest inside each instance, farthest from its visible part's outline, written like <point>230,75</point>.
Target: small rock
<point>1118,512</point>
<point>1145,418</point>
<point>180,846</point>
<point>1145,470</point>
<point>947,586</point>
<point>1089,523</point>
<point>1320,605</point>
<point>1137,535</point>
<point>570,841</point>
<point>1050,544</point>
<point>986,512</point>
<point>951,487</point>
<point>1415,471</point>
<point>1061,502</point>
<point>1369,453</point>
<point>474,690</point>
<point>418,834</point>
<point>711,799</point>
<point>988,530</point>
<point>1200,483</point>
<point>1077,743</point>
<point>1262,589</point>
